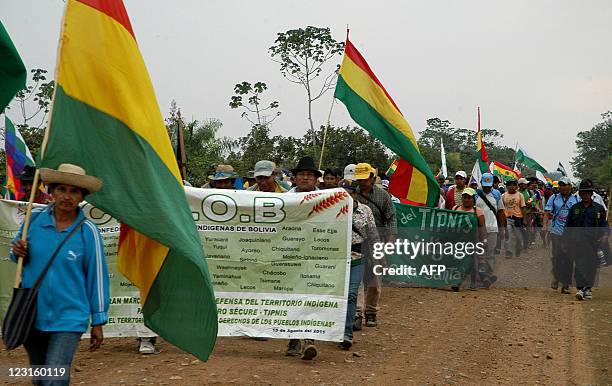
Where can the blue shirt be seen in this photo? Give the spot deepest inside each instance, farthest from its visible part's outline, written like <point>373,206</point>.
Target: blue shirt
<point>76,285</point>
<point>559,207</point>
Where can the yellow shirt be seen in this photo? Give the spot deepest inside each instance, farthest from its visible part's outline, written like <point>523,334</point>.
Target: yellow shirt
<point>513,204</point>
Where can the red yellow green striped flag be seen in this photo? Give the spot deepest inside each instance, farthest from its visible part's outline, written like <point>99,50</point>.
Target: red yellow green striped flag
<point>483,158</point>
<point>372,108</point>
<point>502,170</point>
<point>106,118</point>
<point>392,168</point>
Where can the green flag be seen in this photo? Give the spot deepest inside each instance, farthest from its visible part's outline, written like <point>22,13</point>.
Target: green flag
<point>12,70</point>
<point>527,160</point>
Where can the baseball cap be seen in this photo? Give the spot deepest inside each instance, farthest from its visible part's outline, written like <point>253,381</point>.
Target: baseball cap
<point>461,173</point>
<point>363,171</point>
<point>523,180</point>
<point>264,168</point>
<point>349,172</point>
<point>487,179</point>
<point>348,185</point>
<point>565,181</point>
<point>469,192</point>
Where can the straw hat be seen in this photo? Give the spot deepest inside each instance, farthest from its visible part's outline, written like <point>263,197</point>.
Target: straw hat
<point>70,174</point>
<point>224,172</point>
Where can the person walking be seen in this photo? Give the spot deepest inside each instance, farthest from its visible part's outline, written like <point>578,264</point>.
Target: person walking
<point>380,203</point>
<point>363,237</point>
<point>74,293</point>
<point>306,175</point>
<point>495,223</point>
<point>514,208</point>
<point>586,231</point>
<point>557,210</point>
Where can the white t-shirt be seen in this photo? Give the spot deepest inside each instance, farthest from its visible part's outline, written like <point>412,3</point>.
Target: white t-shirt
<point>490,217</point>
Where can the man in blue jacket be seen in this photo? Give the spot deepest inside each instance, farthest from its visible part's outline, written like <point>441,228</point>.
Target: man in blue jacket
<point>74,293</point>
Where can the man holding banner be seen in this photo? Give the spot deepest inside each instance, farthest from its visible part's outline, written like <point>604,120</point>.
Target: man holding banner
<point>381,205</point>
<point>306,175</point>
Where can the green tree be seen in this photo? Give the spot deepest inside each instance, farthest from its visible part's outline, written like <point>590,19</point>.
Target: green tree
<point>302,54</point>
<point>287,151</point>
<point>253,104</point>
<point>460,146</point>
<point>203,148</point>
<point>594,147</point>
<point>33,106</point>
<point>345,145</point>
<point>255,146</point>
<point>30,114</point>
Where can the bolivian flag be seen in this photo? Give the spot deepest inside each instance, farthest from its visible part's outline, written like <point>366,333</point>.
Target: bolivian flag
<point>372,108</point>
<point>106,118</point>
<point>483,158</point>
<point>502,170</point>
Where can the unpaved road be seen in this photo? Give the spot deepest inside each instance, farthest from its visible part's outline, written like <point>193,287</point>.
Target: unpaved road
<point>518,332</point>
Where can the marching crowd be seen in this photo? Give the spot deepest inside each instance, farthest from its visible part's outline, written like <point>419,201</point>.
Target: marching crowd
<point>511,214</point>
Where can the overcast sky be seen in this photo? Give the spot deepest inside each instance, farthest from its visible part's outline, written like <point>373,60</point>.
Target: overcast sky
<point>540,70</point>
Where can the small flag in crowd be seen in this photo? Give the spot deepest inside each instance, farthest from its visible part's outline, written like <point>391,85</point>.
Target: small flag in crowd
<point>392,168</point>
<point>541,177</point>
<point>106,118</point>
<point>524,158</point>
<point>17,157</point>
<point>372,108</point>
<point>483,158</point>
<point>502,170</point>
<point>561,169</point>
<point>443,158</point>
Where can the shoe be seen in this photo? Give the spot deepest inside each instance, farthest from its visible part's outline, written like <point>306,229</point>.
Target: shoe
<point>259,339</point>
<point>508,255</point>
<point>293,349</point>
<point>580,295</point>
<point>588,294</point>
<point>487,282</point>
<point>554,284</point>
<point>371,320</point>
<point>346,344</point>
<point>518,253</point>
<point>565,290</point>
<point>146,347</point>
<point>455,288</point>
<point>310,350</point>
<point>473,285</point>
<point>358,323</point>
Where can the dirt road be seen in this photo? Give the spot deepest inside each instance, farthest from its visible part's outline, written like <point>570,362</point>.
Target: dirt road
<point>518,332</point>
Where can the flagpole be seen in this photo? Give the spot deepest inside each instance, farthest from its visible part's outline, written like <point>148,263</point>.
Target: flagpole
<point>515,150</point>
<point>181,144</point>
<point>43,146</point>
<point>325,132</point>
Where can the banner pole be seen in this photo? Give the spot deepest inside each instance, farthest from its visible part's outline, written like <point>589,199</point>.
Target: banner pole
<point>325,132</point>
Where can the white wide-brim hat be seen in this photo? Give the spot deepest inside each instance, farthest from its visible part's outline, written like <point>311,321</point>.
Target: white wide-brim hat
<point>70,174</point>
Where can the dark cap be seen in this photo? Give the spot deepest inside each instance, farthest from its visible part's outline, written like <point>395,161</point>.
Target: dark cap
<point>348,185</point>
<point>586,186</point>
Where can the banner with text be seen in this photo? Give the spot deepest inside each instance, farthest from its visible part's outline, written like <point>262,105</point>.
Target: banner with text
<point>279,263</point>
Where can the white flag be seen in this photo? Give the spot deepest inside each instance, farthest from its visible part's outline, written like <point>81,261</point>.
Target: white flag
<point>443,156</point>
<point>476,174</point>
<point>540,176</point>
